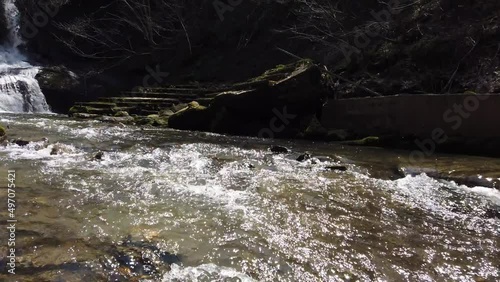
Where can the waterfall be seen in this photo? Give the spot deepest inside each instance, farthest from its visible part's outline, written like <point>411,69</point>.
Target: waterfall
<point>19,90</point>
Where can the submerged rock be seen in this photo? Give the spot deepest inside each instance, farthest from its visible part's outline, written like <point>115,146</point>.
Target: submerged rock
<point>92,260</point>
<point>137,259</point>
<point>336,168</point>
<point>492,213</point>
<point>59,149</point>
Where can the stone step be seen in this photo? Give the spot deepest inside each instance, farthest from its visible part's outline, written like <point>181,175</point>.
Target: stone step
<point>180,97</point>
<point>99,105</point>
<point>155,107</point>
<point>192,86</point>
<point>147,101</point>
<point>179,90</point>
<point>138,100</point>
<point>144,112</point>
<point>100,111</point>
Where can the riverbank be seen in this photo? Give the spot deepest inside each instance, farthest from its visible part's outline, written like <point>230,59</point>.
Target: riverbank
<point>297,101</point>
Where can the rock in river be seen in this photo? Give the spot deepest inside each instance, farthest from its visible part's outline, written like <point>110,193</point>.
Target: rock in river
<point>99,156</point>
<point>279,150</point>
<point>304,157</point>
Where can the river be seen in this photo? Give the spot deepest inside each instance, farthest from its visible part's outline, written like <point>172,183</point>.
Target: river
<point>166,205</point>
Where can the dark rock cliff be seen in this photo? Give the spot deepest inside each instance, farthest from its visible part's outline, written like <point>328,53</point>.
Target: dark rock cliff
<point>424,46</point>
<point>3,25</point>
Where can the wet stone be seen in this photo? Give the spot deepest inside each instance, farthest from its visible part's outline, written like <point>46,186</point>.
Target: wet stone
<point>304,157</point>
<point>20,142</point>
<point>279,150</point>
<point>99,156</point>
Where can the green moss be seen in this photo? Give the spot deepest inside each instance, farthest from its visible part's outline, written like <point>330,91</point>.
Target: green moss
<point>315,130</point>
<point>3,132</point>
<point>121,114</point>
<point>79,109</point>
<point>281,71</point>
<point>158,120</point>
<point>368,141</point>
<point>152,120</point>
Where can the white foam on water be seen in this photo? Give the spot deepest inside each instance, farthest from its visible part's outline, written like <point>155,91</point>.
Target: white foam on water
<point>490,193</point>
<point>40,150</point>
<point>205,272</point>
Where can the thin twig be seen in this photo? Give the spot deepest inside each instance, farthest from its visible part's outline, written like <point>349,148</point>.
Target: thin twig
<point>450,82</point>
<point>335,75</point>
<point>187,35</point>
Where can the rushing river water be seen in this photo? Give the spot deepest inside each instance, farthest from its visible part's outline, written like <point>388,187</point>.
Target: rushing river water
<point>165,205</point>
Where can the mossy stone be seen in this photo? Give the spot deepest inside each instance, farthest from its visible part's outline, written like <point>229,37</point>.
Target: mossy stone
<point>3,133</point>
<point>368,141</point>
<point>121,114</point>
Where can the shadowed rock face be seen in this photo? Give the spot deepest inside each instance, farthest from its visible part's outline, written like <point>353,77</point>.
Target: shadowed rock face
<point>282,107</point>
<point>60,87</point>
<point>3,24</point>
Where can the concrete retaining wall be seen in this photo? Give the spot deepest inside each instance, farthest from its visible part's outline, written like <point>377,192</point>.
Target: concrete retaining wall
<point>474,116</point>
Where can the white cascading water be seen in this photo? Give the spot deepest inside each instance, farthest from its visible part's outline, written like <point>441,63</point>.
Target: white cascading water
<point>19,90</point>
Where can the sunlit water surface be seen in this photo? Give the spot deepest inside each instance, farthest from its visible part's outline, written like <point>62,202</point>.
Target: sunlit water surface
<point>204,207</point>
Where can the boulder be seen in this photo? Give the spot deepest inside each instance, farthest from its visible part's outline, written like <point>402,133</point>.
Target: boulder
<point>281,105</point>
<point>192,117</point>
<point>60,86</point>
